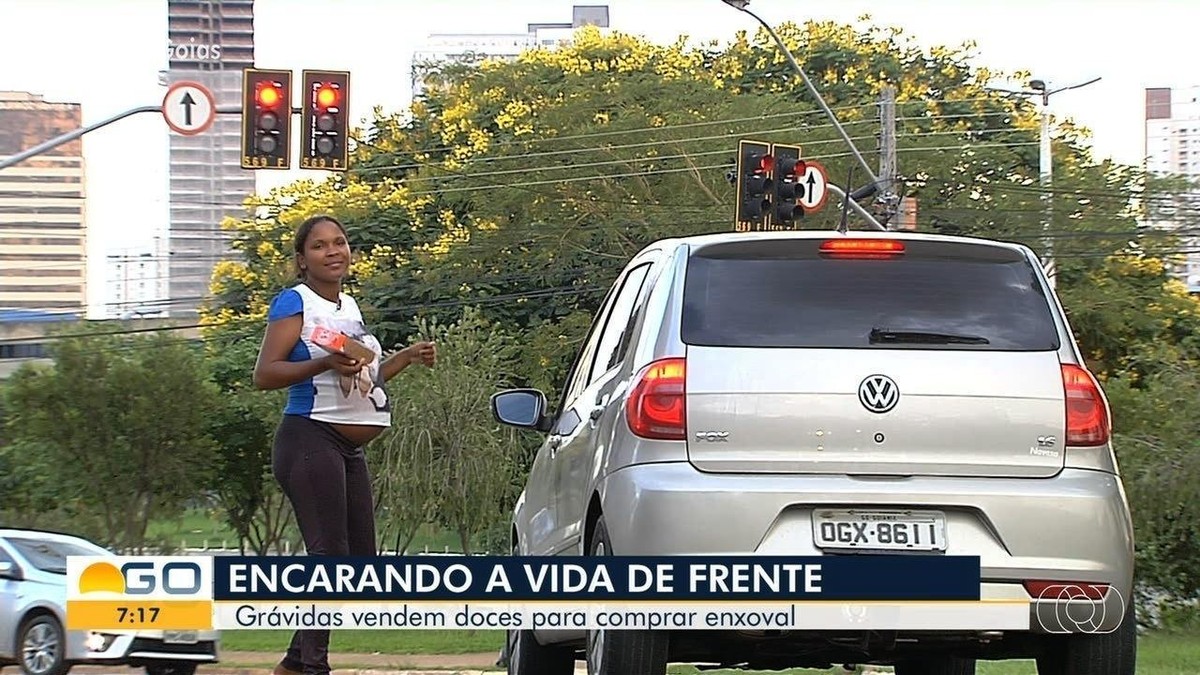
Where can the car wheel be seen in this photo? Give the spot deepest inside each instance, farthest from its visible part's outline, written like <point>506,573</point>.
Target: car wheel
<point>42,646</point>
<point>937,665</point>
<point>526,656</point>
<point>1112,653</point>
<point>171,668</point>
<point>623,652</point>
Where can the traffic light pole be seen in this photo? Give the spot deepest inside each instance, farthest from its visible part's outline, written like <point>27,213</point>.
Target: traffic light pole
<point>68,137</point>
<point>740,5</point>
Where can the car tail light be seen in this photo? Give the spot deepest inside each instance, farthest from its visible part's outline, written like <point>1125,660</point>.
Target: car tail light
<point>1066,590</point>
<point>657,405</point>
<point>1087,415</point>
<point>862,248</point>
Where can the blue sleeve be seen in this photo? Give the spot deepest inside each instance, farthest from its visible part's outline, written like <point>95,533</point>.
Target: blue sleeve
<point>287,303</point>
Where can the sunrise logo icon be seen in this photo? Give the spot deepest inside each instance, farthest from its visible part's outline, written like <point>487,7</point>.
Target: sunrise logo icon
<point>102,577</point>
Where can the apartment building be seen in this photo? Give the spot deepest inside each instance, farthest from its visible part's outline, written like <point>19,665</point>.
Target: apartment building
<point>210,42</point>
<point>474,47</point>
<point>43,218</point>
<point>1172,143</point>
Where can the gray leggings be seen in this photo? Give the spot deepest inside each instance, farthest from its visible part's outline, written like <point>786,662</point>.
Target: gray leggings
<point>325,477</point>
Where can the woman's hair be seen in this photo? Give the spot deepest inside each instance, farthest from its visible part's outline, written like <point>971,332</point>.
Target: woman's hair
<point>302,233</point>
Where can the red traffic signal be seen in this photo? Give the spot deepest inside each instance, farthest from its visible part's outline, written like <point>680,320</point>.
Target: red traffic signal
<point>266,119</point>
<point>324,121</point>
<point>269,95</point>
<point>327,96</point>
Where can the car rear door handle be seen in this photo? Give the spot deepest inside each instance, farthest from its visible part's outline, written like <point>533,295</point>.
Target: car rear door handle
<point>554,443</point>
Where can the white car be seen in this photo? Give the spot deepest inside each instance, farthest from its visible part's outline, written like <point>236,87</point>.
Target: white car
<point>33,595</point>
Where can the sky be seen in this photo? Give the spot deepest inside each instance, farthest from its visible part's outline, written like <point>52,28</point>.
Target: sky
<point>1130,44</point>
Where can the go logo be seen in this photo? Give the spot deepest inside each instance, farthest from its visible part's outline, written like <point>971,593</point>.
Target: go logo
<point>142,577</point>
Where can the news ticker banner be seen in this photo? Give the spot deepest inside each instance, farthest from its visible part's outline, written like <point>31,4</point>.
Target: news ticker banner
<point>876,592</point>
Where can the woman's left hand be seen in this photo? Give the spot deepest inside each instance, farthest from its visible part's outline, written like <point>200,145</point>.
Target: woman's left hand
<point>424,353</point>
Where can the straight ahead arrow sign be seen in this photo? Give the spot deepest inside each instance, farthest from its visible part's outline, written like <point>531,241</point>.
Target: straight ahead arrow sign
<point>187,104</point>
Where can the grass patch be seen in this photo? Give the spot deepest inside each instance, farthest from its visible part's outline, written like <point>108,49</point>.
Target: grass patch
<point>197,527</point>
<point>372,641</point>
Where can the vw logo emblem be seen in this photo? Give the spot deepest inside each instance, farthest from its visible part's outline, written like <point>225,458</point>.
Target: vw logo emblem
<point>878,393</point>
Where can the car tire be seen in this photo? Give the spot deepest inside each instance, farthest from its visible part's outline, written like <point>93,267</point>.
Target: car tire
<point>171,668</point>
<point>623,652</point>
<point>526,656</point>
<point>1112,653</point>
<point>41,646</point>
<point>938,665</point>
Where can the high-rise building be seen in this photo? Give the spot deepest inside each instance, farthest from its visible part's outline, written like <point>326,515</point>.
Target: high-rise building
<point>210,42</point>
<point>43,225</point>
<point>137,283</point>
<point>1173,148</point>
<point>475,47</point>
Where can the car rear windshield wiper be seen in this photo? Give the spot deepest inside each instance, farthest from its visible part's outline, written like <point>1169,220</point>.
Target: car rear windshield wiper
<point>882,335</point>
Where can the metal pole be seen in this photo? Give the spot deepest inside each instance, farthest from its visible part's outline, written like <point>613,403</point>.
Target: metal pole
<point>740,5</point>
<point>854,206</point>
<point>887,152</point>
<point>1046,160</point>
<point>65,138</point>
<point>70,136</point>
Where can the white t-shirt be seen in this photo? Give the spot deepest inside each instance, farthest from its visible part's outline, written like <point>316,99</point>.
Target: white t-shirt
<point>331,396</point>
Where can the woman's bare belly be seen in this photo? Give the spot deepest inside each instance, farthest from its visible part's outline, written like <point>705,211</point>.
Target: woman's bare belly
<point>358,434</point>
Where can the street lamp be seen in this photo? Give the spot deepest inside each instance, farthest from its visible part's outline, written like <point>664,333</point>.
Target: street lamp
<point>1046,161</point>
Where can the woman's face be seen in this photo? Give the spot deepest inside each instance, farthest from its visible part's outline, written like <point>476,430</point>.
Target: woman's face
<point>326,255</point>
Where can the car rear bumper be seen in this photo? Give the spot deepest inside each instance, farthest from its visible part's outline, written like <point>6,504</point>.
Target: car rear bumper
<point>1073,527</point>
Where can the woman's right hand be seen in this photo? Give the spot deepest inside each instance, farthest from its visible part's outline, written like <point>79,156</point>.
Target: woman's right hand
<point>343,364</point>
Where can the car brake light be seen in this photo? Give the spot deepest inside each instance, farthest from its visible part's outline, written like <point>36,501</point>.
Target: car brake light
<point>1065,590</point>
<point>1087,415</point>
<point>862,248</point>
<point>657,406</point>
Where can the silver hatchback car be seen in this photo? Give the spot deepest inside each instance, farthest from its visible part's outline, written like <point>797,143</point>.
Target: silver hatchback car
<point>738,394</point>
<point>33,616</point>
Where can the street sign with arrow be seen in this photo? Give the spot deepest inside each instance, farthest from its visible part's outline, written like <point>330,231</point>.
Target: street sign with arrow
<point>189,108</point>
<point>814,184</point>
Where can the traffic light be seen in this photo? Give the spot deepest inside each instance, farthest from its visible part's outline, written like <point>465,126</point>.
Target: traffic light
<point>754,165</point>
<point>788,171</point>
<point>324,120</point>
<point>266,119</point>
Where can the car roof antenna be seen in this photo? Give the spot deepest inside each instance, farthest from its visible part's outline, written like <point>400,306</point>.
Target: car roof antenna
<point>844,227</point>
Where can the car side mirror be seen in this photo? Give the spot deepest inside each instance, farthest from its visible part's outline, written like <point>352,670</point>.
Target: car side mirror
<point>9,570</point>
<point>522,408</point>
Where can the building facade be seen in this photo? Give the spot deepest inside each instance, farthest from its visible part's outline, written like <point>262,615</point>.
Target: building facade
<point>43,215</point>
<point>474,47</point>
<point>209,42</point>
<point>1172,147</point>
<point>137,283</point>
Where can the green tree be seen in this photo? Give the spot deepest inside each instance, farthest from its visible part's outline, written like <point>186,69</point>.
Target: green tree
<point>520,187</point>
<point>122,426</point>
<point>243,428</point>
<point>445,460</point>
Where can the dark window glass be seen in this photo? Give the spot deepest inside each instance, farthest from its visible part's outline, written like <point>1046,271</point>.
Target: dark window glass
<point>786,294</point>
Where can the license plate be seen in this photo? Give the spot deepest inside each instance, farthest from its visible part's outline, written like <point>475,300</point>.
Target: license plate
<point>180,637</point>
<point>880,530</point>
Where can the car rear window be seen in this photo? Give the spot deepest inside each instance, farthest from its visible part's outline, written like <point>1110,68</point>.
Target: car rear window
<point>784,293</point>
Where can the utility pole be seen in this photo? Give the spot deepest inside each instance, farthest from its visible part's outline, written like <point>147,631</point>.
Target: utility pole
<point>1042,90</point>
<point>873,186</point>
<point>6,162</point>
<point>889,200</point>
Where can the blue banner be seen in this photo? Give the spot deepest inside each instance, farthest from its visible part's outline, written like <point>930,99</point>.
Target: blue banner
<point>509,578</point>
